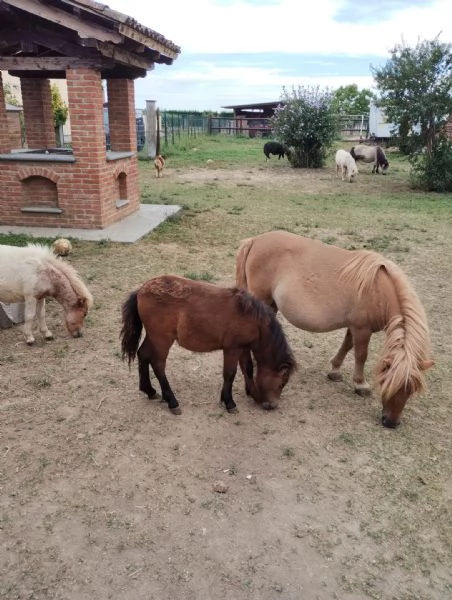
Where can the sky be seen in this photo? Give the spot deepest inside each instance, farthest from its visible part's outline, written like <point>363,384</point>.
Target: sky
<point>243,51</point>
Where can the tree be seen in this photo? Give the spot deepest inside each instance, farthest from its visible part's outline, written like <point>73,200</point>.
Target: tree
<point>59,107</point>
<point>415,91</point>
<point>348,100</point>
<point>305,123</point>
<point>10,97</point>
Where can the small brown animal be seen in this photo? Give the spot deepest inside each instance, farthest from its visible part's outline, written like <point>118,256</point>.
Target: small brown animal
<point>159,164</point>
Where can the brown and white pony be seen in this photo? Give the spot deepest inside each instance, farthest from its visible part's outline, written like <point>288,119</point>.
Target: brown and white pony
<point>319,287</point>
<point>371,154</point>
<point>33,273</point>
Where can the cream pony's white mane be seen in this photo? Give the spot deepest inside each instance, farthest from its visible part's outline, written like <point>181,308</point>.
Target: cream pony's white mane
<point>46,254</point>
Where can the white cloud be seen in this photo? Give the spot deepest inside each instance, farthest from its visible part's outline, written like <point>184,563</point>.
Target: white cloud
<point>207,26</point>
<point>318,34</point>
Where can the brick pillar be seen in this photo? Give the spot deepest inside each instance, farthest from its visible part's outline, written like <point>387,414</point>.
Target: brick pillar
<point>86,188</point>
<point>5,140</point>
<point>121,115</point>
<point>38,113</point>
<point>84,88</point>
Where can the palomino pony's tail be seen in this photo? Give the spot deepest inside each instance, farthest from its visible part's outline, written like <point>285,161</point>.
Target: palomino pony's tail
<point>240,263</point>
<point>131,328</point>
<point>404,356</point>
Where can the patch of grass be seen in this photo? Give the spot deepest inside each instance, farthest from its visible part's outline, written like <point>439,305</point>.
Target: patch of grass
<point>42,382</point>
<point>204,276</point>
<point>288,452</point>
<point>347,438</point>
<point>22,239</point>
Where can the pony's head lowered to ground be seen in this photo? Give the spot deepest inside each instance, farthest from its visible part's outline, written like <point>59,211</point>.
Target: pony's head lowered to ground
<point>72,294</point>
<point>33,273</point>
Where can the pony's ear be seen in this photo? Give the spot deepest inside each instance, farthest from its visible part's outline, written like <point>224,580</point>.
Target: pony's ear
<point>386,362</point>
<point>284,372</point>
<point>426,364</point>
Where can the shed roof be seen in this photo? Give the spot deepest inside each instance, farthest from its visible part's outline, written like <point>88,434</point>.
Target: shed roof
<point>43,38</point>
<point>255,105</point>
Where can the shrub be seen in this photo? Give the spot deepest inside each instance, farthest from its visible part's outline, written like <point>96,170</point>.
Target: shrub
<point>305,123</point>
<point>433,172</point>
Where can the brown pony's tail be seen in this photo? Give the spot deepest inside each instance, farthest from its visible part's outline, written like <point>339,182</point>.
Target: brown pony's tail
<point>240,263</point>
<point>131,328</point>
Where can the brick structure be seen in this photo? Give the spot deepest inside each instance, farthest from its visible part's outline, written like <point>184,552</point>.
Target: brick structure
<point>15,132</point>
<point>4,130</point>
<point>38,114</point>
<point>85,186</point>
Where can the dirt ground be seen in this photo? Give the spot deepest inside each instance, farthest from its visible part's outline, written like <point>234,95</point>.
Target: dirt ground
<point>106,495</point>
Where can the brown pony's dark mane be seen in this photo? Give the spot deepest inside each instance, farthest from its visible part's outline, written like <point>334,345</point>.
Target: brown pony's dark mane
<point>381,158</point>
<point>280,353</point>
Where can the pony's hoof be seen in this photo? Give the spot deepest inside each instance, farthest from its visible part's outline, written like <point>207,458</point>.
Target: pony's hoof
<point>364,392</point>
<point>150,392</point>
<point>30,342</point>
<point>176,410</point>
<point>49,338</point>
<point>334,376</point>
<point>388,423</point>
<point>232,411</point>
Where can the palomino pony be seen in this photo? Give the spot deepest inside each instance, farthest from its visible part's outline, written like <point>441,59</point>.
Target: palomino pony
<point>320,288</point>
<point>203,317</point>
<point>33,273</point>
<point>346,164</point>
<point>371,154</point>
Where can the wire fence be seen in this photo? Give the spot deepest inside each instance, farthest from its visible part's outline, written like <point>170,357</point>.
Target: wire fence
<point>174,126</point>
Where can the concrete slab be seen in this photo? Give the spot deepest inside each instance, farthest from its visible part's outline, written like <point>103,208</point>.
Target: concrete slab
<point>129,230</point>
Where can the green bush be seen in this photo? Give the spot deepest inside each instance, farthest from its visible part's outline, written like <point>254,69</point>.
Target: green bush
<point>433,172</point>
<point>306,124</point>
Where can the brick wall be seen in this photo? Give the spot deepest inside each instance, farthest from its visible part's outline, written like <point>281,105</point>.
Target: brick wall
<point>4,131</point>
<point>121,114</point>
<point>88,189</point>
<point>38,114</point>
<point>14,128</point>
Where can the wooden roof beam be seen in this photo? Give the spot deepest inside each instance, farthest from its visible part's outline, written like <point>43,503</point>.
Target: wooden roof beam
<point>52,63</point>
<point>70,21</point>
<point>124,56</point>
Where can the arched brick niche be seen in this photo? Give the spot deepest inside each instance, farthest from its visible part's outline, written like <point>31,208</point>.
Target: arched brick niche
<point>121,192</point>
<point>39,189</point>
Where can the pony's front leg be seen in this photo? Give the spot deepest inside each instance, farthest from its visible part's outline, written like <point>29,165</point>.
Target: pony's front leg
<point>230,361</point>
<point>338,359</point>
<point>29,312</point>
<point>246,366</point>
<point>41,314</point>
<point>361,341</point>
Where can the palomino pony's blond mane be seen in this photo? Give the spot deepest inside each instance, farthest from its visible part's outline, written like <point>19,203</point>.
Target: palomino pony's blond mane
<point>67,270</point>
<point>407,342</point>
